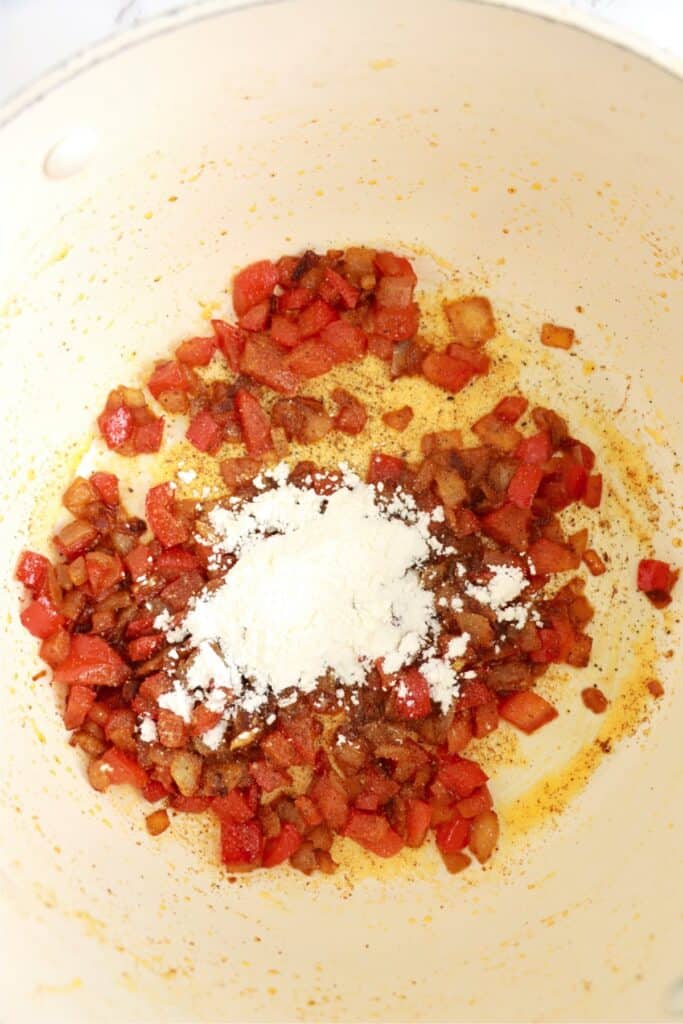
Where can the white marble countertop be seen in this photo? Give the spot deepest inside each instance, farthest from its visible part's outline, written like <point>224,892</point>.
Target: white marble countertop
<point>36,35</point>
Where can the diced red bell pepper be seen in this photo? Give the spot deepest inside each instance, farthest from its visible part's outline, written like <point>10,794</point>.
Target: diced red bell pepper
<point>398,419</point>
<point>286,266</point>
<point>446,372</point>
<point>491,430</point>
<point>190,804</point>
<point>308,810</point>
<point>300,731</point>
<point>107,487</point>
<point>550,649</point>
<point>123,769</point>
<point>167,526</point>
<point>351,419</point>
<point>511,408</point>
<point>285,331</point>
<point>78,703</point>
<point>171,376</point>
<point>253,285</point>
<point>476,357</point>
<point>230,341</point>
<point>459,733</point>
<point>411,695</point>
<point>575,479</point>
<point>280,749</point>
<point>41,618</point>
<point>144,647</point>
<point>332,801</point>
<point>391,265</point>
<point>473,693</point>
<point>527,710</point>
<point>254,423</point>
<point>352,415</point>
<point>535,449</point>
<point>310,359</point>
<point>142,624</point>
<point>238,806</point>
<point>509,525</point>
<point>485,719</point>
<point>257,318</point>
<point>104,571</point>
<point>268,777</point>
<point>154,791</point>
<point>173,562</point>
<point>384,468</point>
<point>548,556</point>
<point>397,324</point>
<point>139,561</point>
<point>116,425</point>
<point>461,776</point>
<point>295,299</point>
<point>315,317</point>
<point>264,362</point>
<point>395,292</point>
<point>205,433</point>
<point>54,650</point>
<point>203,720</point>
<point>76,538</point>
<point>453,835</point>
<point>377,790</point>
<point>147,436</point>
<point>418,818</point>
<point>91,662</point>
<point>475,804</point>
<point>524,484</point>
<point>196,351</point>
<point>582,453</point>
<point>241,843</point>
<point>31,571</point>
<point>462,521</point>
<point>335,288</point>
<point>374,833</point>
<point>593,493</point>
<point>282,846</point>
<point>564,483</point>
<point>381,347</point>
<point>177,593</point>
<point>655,575</point>
<point>344,341</point>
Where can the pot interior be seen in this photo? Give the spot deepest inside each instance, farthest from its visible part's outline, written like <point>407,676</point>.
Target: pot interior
<point>513,156</point>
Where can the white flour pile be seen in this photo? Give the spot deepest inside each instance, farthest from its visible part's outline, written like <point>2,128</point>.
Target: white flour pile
<point>322,584</point>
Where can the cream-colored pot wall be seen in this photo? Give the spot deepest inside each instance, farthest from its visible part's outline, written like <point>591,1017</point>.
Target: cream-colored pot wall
<point>537,158</point>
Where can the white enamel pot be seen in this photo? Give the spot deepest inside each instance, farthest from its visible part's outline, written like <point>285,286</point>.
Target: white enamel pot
<point>545,163</point>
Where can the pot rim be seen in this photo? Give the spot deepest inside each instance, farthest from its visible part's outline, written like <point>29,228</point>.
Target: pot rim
<point>201,10</point>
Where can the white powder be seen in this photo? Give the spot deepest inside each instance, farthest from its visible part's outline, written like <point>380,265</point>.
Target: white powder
<point>408,648</point>
<point>458,645</point>
<point>443,682</point>
<point>506,584</point>
<point>208,665</point>
<point>179,701</point>
<point>516,614</point>
<point>322,583</point>
<point>147,729</point>
<point>186,476</point>
<point>335,588</point>
<point>213,737</point>
<point>504,587</point>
